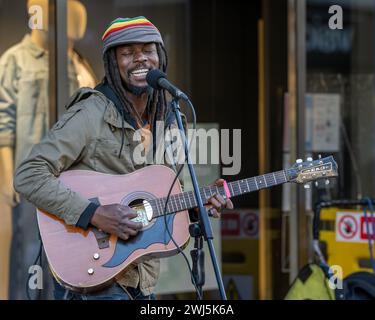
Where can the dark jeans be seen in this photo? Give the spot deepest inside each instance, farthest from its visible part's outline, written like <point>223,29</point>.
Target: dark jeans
<point>113,292</point>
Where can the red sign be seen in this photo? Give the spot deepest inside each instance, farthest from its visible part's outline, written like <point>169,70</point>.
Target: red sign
<point>230,224</point>
<point>364,233</point>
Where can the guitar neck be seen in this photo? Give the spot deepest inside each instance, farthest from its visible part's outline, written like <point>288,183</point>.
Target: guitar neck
<point>186,200</point>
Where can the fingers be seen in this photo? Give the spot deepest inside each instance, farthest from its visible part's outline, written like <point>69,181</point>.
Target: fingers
<point>126,231</point>
<point>129,231</point>
<point>128,214</point>
<point>218,202</point>
<point>123,236</point>
<point>222,201</point>
<point>131,224</point>
<point>127,211</point>
<point>214,213</point>
<point>219,182</point>
<point>229,204</point>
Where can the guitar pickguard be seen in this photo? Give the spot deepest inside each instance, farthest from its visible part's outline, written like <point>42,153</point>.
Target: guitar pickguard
<point>155,234</point>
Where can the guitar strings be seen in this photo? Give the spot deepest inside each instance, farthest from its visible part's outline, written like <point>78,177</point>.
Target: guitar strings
<point>237,187</point>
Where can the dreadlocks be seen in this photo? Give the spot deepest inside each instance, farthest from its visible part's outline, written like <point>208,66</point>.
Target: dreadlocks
<point>157,104</point>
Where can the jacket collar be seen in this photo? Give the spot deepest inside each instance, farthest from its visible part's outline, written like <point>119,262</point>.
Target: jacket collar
<point>112,114</point>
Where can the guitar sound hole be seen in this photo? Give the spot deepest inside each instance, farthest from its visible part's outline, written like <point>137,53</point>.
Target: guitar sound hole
<point>139,206</point>
<point>136,202</point>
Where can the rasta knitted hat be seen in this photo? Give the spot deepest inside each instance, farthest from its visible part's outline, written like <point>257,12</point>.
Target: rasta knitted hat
<point>130,30</point>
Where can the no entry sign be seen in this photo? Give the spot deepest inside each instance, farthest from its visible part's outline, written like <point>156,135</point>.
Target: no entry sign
<point>351,227</point>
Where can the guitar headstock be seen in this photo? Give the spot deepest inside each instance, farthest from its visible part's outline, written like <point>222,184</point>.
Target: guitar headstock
<point>311,170</point>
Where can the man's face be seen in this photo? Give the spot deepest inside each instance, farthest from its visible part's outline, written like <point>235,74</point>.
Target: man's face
<point>135,60</point>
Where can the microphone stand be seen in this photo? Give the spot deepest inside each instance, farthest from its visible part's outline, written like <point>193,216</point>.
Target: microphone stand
<point>204,221</point>
<point>197,256</point>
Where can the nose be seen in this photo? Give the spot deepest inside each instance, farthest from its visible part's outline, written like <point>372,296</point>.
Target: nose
<point>140,57</point>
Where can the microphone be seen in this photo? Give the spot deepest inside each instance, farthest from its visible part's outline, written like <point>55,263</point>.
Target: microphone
<point>158,80</point>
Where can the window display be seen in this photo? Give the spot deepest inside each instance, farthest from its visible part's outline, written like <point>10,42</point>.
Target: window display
<point>24,116</point>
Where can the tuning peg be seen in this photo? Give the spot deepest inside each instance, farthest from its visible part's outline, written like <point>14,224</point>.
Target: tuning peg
<point>309,159</point>
<point>319,156</point>
<point>306,186</point>
<point>327,182</point>
<point>299,160</point>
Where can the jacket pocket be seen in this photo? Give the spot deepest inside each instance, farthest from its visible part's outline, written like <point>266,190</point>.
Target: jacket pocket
<point>107,156</point>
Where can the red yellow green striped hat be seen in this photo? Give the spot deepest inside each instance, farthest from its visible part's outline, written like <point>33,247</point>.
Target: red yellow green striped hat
<point>130,30</point>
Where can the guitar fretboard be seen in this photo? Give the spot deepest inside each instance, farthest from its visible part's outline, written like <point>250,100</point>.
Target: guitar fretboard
<point>186,200</point>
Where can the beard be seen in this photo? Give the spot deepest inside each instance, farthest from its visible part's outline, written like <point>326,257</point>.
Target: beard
<point>137,91</point>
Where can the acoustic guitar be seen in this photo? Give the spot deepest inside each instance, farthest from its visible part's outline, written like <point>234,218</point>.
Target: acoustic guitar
<point>88,260</point>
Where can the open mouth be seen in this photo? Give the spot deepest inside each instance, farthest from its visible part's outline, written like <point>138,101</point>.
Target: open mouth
<point>139,73</point>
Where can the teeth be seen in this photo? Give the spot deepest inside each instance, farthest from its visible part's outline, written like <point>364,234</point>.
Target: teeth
<point>140,71</point>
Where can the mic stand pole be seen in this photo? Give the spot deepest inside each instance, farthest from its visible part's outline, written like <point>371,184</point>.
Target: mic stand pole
<point>197,256</point>
<point>204,221</point>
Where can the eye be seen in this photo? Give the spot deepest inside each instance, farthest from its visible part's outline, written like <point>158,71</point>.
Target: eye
<point>149,49</point>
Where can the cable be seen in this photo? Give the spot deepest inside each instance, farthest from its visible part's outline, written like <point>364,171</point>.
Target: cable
<point>171,236</point>
<point>352,160</point>
<point>369,234</point>
<point>166,204</point>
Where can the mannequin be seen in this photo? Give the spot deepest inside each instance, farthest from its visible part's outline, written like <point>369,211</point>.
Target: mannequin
<point>77,23</point>
<point>6,196</point>
<point>32,81</point>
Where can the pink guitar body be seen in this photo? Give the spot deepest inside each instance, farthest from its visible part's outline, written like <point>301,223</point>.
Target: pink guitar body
<point>88,260</point>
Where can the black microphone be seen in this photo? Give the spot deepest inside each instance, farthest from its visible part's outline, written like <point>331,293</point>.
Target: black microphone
<point>158,80</point>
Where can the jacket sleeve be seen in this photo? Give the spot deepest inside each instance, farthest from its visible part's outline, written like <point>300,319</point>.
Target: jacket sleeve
<point>8,93</point>
<point>36,177</point>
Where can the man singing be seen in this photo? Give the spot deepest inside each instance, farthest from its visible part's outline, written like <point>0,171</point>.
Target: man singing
<point>96,133</point>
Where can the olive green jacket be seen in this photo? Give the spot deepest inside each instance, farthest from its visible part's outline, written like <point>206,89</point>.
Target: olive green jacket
<point>88,136</point>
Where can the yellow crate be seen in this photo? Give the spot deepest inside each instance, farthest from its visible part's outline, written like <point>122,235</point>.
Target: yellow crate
<point>241,256</point>
<point>240,232</point>
<point>344,254</point>
<point>240,259</point>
